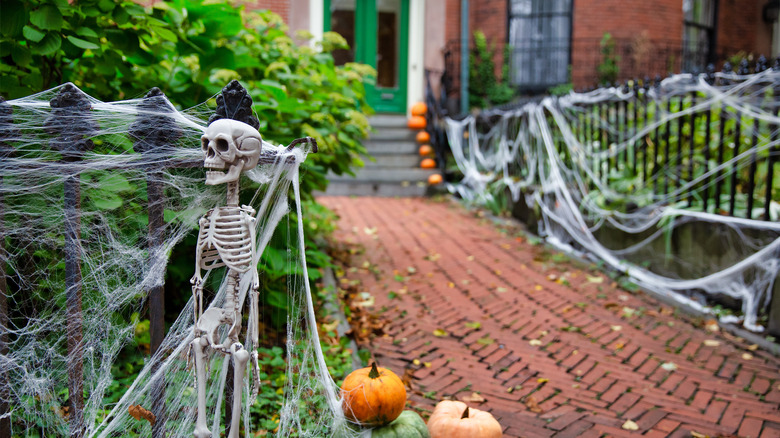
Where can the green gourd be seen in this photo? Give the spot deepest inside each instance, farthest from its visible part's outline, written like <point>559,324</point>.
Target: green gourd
<point>407,425</point>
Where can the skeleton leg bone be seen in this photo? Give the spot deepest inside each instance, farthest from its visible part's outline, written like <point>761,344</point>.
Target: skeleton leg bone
<point>240,359</point>
<point>199,344</point>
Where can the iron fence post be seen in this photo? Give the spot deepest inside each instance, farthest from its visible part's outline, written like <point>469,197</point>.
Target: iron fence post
<point>6,123</point>
<point>150,132</point>
<point>71,124</point>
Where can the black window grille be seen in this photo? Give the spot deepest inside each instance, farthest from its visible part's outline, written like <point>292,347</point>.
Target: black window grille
<point>540,38</point>
<point>699,34</point>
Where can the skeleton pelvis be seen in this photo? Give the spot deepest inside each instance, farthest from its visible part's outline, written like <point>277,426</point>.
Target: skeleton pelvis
<point>211,320</point>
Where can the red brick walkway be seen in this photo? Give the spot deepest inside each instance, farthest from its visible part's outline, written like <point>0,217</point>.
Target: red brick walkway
<point>553,348</point>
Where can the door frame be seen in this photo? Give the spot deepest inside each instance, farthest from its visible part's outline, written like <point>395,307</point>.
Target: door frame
<point>382,100</point>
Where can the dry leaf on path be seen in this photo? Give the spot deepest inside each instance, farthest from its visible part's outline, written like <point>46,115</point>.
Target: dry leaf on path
<point>711,343</point>
<point>630,425</point>
<point>439,333</point>
<point>473,398</point>
<point>533,406</point>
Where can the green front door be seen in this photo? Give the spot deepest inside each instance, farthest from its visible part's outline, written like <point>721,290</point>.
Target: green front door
<point>378,35</point>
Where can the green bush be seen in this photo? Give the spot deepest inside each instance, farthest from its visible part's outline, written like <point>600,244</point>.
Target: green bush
<point>485,89</point>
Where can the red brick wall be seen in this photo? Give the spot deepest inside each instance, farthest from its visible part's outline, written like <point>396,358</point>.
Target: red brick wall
<point>742,28</point>
<point>637,25</point>
<point>281,7</point>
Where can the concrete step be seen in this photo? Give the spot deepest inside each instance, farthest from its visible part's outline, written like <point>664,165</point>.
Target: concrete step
<point>389,175</point>
<point>355,188</point>
<point>394,161</point>
<point>393,134</point>
<point>375,147</point>
<point>388,121</point>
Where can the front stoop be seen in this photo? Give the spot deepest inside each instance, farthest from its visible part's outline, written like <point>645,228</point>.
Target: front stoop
<point>396,170</point>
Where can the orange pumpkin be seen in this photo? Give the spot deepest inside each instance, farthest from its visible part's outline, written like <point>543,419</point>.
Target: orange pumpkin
<point>373,396</point>
<point>453,419</point>
<point>423,137</point>
<point>428,163</point>
<point>425,149</point>
<point>435,179</point>
<point>416,122</point>
<point>419,109</point>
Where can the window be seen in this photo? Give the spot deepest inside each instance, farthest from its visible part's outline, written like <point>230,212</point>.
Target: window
<point>698,34</point>
<point>540,38</point>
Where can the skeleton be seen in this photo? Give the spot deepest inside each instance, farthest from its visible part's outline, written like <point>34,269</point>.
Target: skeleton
<point>226,238</point>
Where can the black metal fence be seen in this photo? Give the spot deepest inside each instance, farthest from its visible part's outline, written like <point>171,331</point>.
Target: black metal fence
<point>71,128</point>
<point>706,157</point>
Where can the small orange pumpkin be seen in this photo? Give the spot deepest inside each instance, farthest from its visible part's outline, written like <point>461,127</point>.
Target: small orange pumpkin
<point>373,396</point>
<point>419,109</point>
<point>416,122</point>
<point>423,137</point>
<point>435,179</point>
<point>454,419</point>
<point>428,163</point>
<point>425,150</point>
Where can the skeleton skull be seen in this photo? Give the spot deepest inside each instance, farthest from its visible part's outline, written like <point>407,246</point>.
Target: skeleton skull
<point>232,145</point>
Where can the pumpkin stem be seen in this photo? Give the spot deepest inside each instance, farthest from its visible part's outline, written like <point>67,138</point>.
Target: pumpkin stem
<point>465,413</point>
<point>374,373</point>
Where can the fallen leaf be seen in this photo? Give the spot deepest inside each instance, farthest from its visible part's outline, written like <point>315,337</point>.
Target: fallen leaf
<point>567,309</point>
<point>473,398</point>
<point>753,347</point>
<point>747,356</point>
<point>711,325</point>
<point>427,364</point>
<point>440,333</point>
<point>501,290</point>
<point>138,412</point>
<point>619,346</point>
<point>695,434</point>
<point>451,285</point>
<point>476,325</point>
<point>628,312</point>
<point>370,231</point>
<point>711,343</point>
<point>669,366</point>
<point>411,269</point>
<point>535,342</point>
<point>470,258</point>
<point>623,297</point>
<point>630,425</point>
<point>538,287</point>
<point>485,341</point>
<point>542,380</point>
<point>416,361</point>
<point>532,405</point>
<point>596,279</point>
<point>616,328</point>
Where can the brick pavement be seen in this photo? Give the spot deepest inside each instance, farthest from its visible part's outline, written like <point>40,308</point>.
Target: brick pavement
<point>553,348</point>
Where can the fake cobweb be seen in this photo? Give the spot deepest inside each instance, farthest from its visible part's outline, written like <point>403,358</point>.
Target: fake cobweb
<point>43,150</point>
<point>551,156</point>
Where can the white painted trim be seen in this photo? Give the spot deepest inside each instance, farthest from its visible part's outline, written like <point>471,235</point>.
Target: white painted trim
<point>316,20</point>
<point>415,78</point>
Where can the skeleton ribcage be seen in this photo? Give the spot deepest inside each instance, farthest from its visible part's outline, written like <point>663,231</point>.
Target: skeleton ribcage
<point>225,239</point>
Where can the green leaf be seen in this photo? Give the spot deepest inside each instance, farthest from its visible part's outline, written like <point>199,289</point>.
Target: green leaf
<point>47,17</point>
<point>33,34</point>
<point>107,201</point>
<point>164,33</point>
<point>83,44</point>
<point>21,55</point>
<point>13,17</point>
<point>277,299</point>
<point>48,45</point>
<point>114,183</point>
<point>86,32</point>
